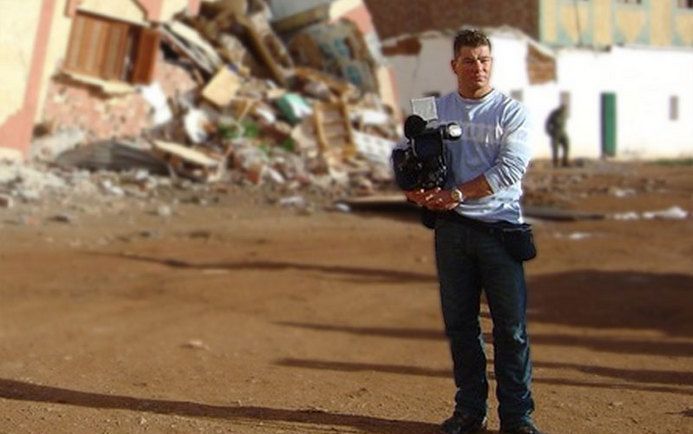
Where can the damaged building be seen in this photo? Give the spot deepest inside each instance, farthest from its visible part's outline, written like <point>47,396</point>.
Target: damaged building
<point>203,86</point>
<point>623,67</point>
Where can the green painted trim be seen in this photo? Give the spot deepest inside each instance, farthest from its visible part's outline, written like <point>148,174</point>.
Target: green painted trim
<point>608,115</point>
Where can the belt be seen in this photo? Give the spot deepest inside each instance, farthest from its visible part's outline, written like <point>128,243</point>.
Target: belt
<point>456,217</point>
<point>497,227</point>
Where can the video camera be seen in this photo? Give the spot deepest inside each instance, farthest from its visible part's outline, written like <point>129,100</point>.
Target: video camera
<point>422,164</point>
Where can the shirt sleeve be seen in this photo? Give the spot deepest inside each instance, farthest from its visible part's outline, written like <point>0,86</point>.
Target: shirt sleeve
<point>515,153</point>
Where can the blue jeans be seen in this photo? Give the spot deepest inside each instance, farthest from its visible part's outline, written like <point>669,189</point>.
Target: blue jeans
<point>470,260</point>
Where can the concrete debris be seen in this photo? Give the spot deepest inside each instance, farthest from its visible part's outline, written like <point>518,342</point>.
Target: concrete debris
<point>196,344</point>
<point>192,45</point>
<point>155,96</point>
<point>191,163</point>
<point>27,183</point>
<point>574,236</point>
<point>621,192</point>
<point>629,215</point>
<point>324,47</point>
<point>49,146</point>
<point>197,125</point>
<point>672,213</point>
<point>295,107</point>
<point>342,207</point>
<point>114,190</point>
<point>222,88</point>
<point>164,211</point>
<point>6,201</point>
<point>113,155</point>
<point>62,218</point>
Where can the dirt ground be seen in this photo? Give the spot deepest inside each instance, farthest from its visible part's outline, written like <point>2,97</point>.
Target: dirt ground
<point>245,317</point>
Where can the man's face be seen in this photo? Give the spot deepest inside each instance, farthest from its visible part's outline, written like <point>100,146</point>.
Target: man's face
<point>473,69</point>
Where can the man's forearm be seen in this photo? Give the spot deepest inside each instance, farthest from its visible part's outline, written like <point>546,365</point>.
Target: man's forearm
<point>476,188</point>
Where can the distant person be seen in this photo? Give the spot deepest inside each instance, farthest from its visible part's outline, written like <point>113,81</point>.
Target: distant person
<point>555,128</point>
<point>480,201</point>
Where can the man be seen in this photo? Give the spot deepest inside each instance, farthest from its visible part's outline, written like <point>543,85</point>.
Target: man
<point>483,188</point>
<point>555,128</point>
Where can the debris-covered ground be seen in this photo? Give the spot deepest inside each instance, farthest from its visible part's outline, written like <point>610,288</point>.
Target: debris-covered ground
<point>303,104</point>
<point>134,302</point>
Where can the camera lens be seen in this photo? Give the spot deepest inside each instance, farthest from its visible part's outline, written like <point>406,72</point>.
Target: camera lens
<point>454,131</point>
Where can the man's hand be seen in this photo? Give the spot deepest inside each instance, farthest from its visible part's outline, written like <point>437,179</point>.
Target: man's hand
<point>434,199</point>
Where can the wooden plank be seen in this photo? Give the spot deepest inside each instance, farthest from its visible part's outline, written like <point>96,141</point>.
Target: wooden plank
<point>145,57</point>
<point>75,43</point>
<point>222,88</point>
<point>187,154</point>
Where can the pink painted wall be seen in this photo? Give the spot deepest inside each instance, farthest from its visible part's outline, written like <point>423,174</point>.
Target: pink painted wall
<point>152,8</point>
<point>16,131</point>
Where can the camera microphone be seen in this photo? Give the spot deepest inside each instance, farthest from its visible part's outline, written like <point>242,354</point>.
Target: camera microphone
<point>413,126</point>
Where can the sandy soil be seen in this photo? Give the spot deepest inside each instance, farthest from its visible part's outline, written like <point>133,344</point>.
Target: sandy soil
<point>244,317</point>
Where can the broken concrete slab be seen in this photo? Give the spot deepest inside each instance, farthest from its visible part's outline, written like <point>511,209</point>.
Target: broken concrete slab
<point>339,49</point>
<point>191,163</point>
<point>191,44</point>
<point>112,155</point>
<point>270,48</point>
<point>222,88</point>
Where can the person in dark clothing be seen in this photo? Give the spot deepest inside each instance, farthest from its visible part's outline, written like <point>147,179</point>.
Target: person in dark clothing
<point>555,128</point>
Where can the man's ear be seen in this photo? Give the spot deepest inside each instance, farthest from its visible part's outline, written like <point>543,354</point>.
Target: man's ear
<point>453,65</point>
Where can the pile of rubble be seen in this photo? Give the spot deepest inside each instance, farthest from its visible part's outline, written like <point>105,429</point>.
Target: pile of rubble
<point>293,104</point>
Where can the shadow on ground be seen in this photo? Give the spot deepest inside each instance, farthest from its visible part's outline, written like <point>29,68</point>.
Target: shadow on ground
<point>242,415</point>
<point>636,380</point>
<point>351,273</point>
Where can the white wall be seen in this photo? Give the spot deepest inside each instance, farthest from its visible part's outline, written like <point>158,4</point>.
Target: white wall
<point>643,79</point>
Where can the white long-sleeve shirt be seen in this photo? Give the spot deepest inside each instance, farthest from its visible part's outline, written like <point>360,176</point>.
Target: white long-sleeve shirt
<point>495,143</point>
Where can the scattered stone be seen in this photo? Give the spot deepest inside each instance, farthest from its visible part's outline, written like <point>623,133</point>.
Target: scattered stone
<point>341,207</point>
<point>6,201</point>
<point>293,201</point>
<point>164,211</point>
<point>196,344</point>
<point>108,187</point>
<point>673,213</point>
<point>62,218</point>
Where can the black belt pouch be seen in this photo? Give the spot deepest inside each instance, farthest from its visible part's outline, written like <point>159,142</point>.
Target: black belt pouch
<point>518,240</point>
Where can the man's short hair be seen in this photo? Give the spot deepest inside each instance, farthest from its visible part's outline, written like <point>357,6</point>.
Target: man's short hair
<point>470,38</point>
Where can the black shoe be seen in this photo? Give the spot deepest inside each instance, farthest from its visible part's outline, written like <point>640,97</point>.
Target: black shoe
<point>523,428</point>
<point>461,423</point>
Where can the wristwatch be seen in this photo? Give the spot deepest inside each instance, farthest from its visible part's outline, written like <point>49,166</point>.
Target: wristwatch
<point>456,195</point>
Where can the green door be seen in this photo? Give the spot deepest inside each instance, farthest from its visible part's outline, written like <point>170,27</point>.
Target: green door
<point>608,106</point>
